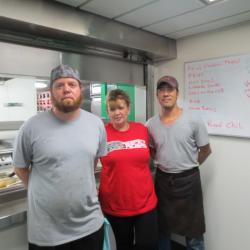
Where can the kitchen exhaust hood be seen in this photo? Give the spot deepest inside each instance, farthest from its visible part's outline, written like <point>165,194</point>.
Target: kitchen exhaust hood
<point>54,25</point>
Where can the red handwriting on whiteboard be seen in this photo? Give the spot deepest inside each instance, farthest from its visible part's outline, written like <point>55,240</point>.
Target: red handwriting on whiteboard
<point>195,75</point>
<point>247,89</point>
<point>194,108</point>
<point>247,92</point>
<point>232,61</point>
<point>213,85</point>
<point>227,124</point>
<point>208,108</point>
<point>200,91</point>
<point>203,108</point>
<point>194,93</point>
<point>212,65</point>
<point>216,91</point>
<point>247,83</point>
<point>234,124</point>
<point>194,101</point>
<point>198,86</point>
<point>194,68</point>
<point>215,124</point>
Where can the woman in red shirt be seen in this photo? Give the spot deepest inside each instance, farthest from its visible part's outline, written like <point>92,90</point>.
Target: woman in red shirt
<point>126,191</point>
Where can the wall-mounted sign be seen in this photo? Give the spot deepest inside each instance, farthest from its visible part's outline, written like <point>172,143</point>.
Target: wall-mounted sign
<point>13,104</point>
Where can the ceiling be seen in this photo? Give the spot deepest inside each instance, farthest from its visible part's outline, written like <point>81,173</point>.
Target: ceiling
<point>171,18</point>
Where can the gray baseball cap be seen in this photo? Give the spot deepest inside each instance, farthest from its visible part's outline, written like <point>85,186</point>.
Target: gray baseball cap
<point>167,80</point>
<point>64,71</point>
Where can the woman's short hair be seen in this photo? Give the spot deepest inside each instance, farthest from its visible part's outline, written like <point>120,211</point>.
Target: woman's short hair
<point>116,94</point>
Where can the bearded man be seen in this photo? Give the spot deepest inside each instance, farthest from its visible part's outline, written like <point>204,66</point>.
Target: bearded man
<point>55,155</point>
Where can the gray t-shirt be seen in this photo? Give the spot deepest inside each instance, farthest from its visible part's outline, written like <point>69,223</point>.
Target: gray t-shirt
<point>62,198</point>
<point>177,144</point>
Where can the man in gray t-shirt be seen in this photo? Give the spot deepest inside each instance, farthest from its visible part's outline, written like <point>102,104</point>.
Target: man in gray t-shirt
<point>179,144</point>
<point>55,155</point>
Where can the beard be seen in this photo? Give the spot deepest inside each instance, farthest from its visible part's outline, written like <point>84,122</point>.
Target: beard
<point>67,106</point>
<point>168,107</point>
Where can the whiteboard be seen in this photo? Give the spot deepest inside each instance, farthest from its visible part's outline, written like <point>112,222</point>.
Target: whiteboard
<point>219,90</point>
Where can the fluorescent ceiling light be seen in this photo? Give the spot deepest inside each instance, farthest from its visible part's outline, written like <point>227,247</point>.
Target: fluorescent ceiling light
<point>41,85</point>
<point>210,1</point>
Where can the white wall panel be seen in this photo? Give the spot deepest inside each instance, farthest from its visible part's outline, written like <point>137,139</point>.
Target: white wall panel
<point>211,13</point>
<point>211,26</point>
<point>113,8</point>
<point>158,11</point>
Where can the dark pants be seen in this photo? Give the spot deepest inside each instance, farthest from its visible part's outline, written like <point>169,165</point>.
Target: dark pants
<point>93,241</point>
<point>138,232</point>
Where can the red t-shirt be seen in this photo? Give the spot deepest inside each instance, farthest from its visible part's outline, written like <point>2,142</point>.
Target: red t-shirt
<point>126,184</point>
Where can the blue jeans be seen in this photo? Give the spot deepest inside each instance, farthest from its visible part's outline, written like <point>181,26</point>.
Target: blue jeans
<point>192,243</point>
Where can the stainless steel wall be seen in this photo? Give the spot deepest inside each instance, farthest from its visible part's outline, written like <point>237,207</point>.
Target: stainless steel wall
<point>29,61</point>
<point>24,60</point>
<point>103,69</point>
<point>53,20</point>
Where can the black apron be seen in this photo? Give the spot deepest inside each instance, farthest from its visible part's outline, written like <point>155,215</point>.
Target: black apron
<point>180,203</point>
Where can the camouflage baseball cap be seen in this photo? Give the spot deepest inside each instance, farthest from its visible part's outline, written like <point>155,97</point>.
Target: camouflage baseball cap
<point>64,71</point>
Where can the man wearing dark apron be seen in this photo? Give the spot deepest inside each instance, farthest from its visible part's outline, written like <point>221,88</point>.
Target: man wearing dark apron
<point>179,143</point>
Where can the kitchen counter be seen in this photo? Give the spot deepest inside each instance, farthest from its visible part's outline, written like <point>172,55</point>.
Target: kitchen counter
<point>14,207</point>
<point>15,203</point>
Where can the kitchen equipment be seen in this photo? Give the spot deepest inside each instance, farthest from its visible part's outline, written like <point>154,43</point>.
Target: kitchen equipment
<point>11,187</point>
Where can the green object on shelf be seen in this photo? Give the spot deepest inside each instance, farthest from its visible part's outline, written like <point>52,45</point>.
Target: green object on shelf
<point>103,100</point>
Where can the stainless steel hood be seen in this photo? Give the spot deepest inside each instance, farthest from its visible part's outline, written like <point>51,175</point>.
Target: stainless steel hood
<point>51,24</point>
